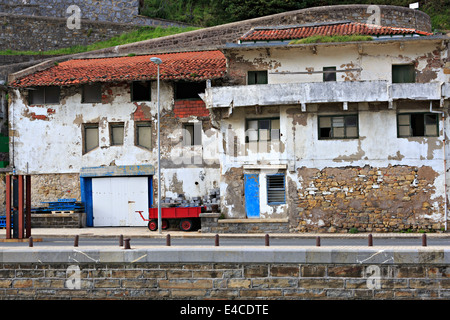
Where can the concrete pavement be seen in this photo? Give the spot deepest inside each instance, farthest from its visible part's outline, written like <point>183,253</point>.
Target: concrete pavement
<point>142,232</point>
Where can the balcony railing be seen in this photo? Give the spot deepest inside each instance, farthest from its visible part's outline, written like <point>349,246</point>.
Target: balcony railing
<point>322,92</point>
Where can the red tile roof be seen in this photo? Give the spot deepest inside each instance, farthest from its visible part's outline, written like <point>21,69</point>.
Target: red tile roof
<point>193,66</point>
<point>327,29</point>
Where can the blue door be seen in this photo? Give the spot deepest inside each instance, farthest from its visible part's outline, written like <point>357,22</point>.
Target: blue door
<point>251,188</point>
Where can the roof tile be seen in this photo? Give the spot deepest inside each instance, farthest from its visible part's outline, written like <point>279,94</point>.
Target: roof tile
<point>343,28</point>
<point>193,66</point>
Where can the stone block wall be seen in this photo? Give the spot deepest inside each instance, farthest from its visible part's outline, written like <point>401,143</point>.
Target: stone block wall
<point>43,33</point>
<point>117,11</point>
<point>58,220</point>
<point>237,281</point>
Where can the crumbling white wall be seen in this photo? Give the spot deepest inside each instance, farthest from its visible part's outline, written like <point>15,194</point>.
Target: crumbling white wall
<point>48,139</point>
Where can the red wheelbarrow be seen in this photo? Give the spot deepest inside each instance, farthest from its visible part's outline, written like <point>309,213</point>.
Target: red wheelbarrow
<point>186,217</point>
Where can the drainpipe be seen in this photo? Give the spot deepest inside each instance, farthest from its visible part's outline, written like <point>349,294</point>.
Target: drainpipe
<point>445,158</point>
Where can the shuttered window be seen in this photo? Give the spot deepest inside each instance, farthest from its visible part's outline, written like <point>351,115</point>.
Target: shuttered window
<point>276,191</point>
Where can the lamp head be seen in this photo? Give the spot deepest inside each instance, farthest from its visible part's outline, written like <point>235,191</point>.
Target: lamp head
<point>156,60</point>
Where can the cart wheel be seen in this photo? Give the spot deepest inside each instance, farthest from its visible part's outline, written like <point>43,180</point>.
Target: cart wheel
<point>153,225</point>
<point>165,224</point>
<point>186,224</point>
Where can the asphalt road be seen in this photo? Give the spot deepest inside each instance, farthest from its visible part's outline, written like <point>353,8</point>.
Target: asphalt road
<point>235,241</point>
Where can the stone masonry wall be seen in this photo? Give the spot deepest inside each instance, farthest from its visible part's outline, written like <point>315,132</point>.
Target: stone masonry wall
<point>117,11</point>
<point>199,281</point>
<point>392,199</point>
<point>47,188</point>
<point>43,34</point>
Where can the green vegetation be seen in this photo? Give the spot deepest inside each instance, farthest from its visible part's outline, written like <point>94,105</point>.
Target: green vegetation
<point>141,34</point>
<point>207,13</point>
<point>319,39</point>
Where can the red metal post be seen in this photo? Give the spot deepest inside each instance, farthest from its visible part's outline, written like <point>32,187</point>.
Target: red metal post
<point>28,205</point>
<point>8,206</point>
<point>21,215</point>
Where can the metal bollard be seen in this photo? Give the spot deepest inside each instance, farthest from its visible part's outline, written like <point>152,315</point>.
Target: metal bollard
<point>168,240</point>
<point>370,240</point>
<point>424,240</point>
<point>267,240</point>
<point>75,242</point>
<point>216,241</point>
<point>317,241</point>
<point>127,243</point>
<point>30,242</point>
<point>121,240</point>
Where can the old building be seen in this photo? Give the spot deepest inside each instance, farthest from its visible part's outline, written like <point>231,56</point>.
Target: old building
<point>87,129</point>
<point>322,136</point>
<point>335,136</point>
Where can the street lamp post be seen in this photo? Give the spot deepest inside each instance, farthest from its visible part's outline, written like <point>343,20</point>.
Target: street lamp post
<point>158,61</point>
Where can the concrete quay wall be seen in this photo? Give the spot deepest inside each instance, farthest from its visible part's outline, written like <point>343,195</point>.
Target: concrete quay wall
<point>228,273</point>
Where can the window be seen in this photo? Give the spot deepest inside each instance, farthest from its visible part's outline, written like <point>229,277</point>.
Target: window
<point>417,125</point>
<point>329,74</point>
<point>90,137</point>
<point>257,77</point>
<point>192,134</point>
<point>276,191</point>
<point>338,127</point>
<point>45,95</point>
<point>141,91</point>
<point>262,130</point>
<point>116,131</point>
<point>144,135</point>
<point>189,90</point>
<point>92,93</point>
<point>403,74</point>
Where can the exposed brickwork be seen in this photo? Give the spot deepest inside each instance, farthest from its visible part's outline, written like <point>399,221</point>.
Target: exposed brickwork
<point>369,199</point>
<point>223,281</point>
<point>142,113</point>
<point>187,108</point>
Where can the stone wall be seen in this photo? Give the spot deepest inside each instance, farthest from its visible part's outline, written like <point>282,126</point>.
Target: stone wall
<point>58,220</point>
<point>368,199</point>
<point>117,11</point>
<point>46,188</point>
<point>229,33</point>
<point>255,274</point>
<point>42,34</point>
